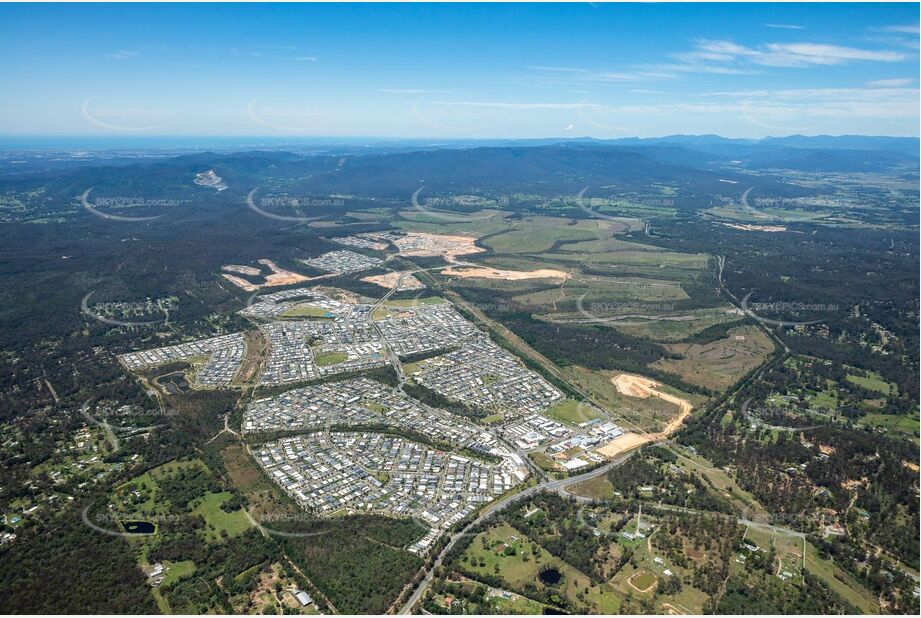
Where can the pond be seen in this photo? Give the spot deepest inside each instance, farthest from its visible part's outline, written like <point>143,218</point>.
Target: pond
<point>549,576</point>
<point>174,383</point>
<point>139,527</point>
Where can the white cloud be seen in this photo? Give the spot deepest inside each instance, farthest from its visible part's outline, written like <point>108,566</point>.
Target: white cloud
<point>785,26</point>
<point>794,54</point>
<point>801,54</point>
<point>906,29</point>
<point>410,91</point>
<point>722,57</point>
<point>124,54</point>
<point>515,105</point>
<point>891,83</point>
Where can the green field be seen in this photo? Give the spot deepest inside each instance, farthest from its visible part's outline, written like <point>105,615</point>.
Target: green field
<point>176,571</point>
<point>599,488</point>
<point>536,240</point>
<point>572,412</point>
<point>596,290</point>
<point>827,400</point>
<point>657,259</point>
<point>146,484</point>
<point>543,461</point>
<point>478,223</point>
<point>719,364</point>
<point>325,359</point>
<point>217,521</point>
<point>643,580</point>
<point>606,245</point>
<point>681,325</point>
<point>873,382</point>
<point>411,368</point>
<point>898,424</point>
<point>415,302</point>
<point>841,582</point>
<point>521,569</point>
<point>307,311</point>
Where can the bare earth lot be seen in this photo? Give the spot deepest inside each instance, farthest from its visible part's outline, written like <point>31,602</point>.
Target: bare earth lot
<point>642,388</point>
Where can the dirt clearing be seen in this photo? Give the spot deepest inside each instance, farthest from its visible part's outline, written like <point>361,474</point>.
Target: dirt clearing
<point>278,276</point>
<point>643,388</point>
<point>389,280</point>
<point>486,272</point>
<point>423,244</point>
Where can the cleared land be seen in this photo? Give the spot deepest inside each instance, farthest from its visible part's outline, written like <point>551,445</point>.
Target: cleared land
<point>643,388</point>
<point>486,272</point>
<point>277,277</point>
<point>390,280</point>
<point>449,246</point>
<point>719,364</point>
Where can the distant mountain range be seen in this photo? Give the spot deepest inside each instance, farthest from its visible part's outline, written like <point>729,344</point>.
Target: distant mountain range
<point>698,166</point>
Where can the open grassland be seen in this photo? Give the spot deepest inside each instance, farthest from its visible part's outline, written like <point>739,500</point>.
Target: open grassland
<point>605,245</point>
<point>147,485</point>
<point>541,234</point>
<point>598,293</point>
<point>598,488</point>
<point>907,425</point>
<point>416,302</point>
<point>478,224</point>
<point>522,567</point>
<point>673,325</point>
<point>841,582</point>
<point>524,239</point>
<point>872,382</point>
<point>219,523</point>
<point>572,412</point>
<point>655,259</point>
<point>651,414</point>
<point>325,359</point>
<point>719,364</point>
<point>176,571</point>
<point>307,311</point>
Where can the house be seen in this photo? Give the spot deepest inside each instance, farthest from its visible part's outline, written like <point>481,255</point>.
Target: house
<point>303,598</point>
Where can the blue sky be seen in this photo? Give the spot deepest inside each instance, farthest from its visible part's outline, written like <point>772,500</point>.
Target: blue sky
<point>463,71</point>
